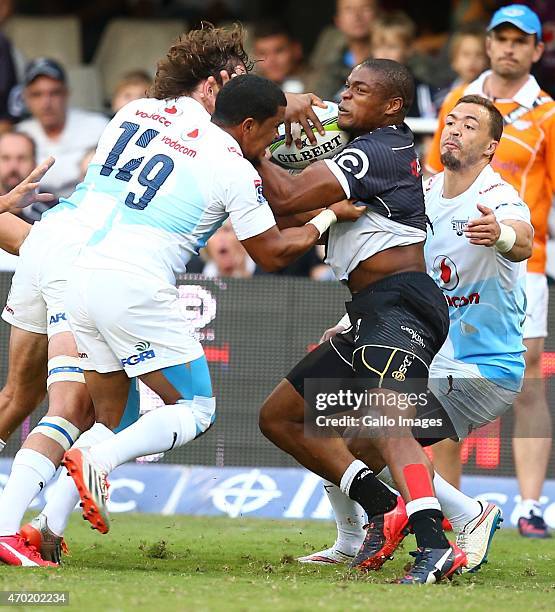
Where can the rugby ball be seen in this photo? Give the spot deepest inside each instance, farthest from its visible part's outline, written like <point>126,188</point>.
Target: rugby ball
<point>326,146</point>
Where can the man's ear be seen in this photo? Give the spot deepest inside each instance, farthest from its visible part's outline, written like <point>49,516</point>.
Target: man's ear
<point>247,125</point>
<point>394,106</point>
<point>492,147</point>
<point>538,51</point>
<point>208,94</point>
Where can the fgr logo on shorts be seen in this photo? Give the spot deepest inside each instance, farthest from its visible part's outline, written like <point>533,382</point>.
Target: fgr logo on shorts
<point>143,355</point>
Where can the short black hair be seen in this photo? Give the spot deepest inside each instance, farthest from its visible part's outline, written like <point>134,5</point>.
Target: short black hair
<point>495,117</point>
<point>397,81</point>
<point>270,27</point>
<point>247,95</point>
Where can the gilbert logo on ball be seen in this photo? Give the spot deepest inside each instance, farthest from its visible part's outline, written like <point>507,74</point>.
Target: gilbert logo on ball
<point>333,141</point>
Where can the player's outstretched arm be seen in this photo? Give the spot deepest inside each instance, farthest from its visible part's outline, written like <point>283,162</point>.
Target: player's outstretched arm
<point>315,187</point>
<point>13,232</point>
<point>275,249</point>
<point>25,193</point>
<point>512,238</point>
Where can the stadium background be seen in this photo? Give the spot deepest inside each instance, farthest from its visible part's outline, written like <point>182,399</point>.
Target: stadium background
<point>254,330</point>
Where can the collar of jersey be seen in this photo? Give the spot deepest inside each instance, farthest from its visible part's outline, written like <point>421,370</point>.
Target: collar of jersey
<point>487,174</point>
<point>188,103</point>
<point>525,96</point>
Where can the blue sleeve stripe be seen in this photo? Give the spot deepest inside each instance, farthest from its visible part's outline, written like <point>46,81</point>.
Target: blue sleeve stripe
<point>65,369</point>
<point>58,428</point>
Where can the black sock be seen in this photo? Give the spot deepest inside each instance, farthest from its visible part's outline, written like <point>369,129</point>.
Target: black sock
<point>427,527</point>
<point>372,494</point>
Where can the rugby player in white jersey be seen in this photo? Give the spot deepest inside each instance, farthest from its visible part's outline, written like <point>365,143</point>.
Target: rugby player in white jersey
<point>37,294</point>
<point>476,248</point>
<point>160,188</point>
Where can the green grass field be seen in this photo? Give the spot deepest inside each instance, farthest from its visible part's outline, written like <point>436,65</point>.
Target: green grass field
<point>187,563</point>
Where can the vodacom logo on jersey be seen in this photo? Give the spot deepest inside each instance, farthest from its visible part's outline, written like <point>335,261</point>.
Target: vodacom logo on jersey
<point>445,273</point>
<point>446,276</point>
<point>154,116</point>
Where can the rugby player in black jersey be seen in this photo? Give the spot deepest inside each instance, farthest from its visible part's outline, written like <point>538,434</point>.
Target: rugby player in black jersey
<point>400,315</point>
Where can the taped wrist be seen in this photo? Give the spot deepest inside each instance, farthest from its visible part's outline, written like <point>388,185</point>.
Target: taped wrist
<point>323,221</point>
<point>507,238</point>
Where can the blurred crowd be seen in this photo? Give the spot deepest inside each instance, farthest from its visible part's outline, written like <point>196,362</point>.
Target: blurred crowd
<point>38,116</point>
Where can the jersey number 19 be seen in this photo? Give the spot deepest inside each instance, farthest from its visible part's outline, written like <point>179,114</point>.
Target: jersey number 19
<point>161,164</point>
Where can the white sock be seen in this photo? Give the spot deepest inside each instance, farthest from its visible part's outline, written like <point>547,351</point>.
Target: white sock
<point>156,431</point>
<point>63,496</point>
<point>350,519</point>
<point>527,507</point>
<point>350,473</point>
<point>2,445</point>
<point>457,507</point>
<point>31,471</point>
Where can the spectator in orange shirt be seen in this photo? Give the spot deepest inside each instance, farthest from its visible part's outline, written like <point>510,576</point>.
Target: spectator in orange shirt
<point>526,159</point>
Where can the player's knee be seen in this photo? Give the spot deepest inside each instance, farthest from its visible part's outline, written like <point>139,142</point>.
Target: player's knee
<point>80,414</point>
<point>7,394</point>
<point>59,429</point>
<point>204,411</point>
<point>20,400</point>
<point>267,422</point>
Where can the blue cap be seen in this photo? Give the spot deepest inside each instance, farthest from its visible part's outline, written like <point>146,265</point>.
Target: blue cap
<point>520,16</point>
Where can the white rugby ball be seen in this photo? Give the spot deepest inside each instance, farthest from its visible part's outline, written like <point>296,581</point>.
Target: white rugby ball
<point>326,146</point>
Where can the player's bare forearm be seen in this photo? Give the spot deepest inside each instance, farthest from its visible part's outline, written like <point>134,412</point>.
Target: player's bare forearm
<point>522,248</point>
<point>275,249</point>
<point>314,188</point>
<point>286,221</point>
<point>13,232</point>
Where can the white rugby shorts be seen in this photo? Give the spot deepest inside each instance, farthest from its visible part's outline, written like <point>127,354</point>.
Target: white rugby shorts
<point>123,321</point>
<point>470,400</point>
<point>35,302</point>
<point>537,298</point>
